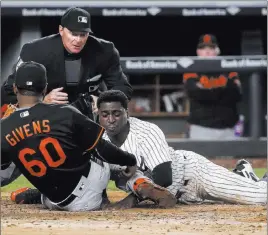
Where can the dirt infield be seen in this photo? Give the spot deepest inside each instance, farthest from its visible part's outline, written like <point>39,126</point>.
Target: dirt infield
<point>182,220</point>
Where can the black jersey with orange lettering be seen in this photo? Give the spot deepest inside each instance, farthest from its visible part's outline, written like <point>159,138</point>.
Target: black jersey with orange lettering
<point>46,142</point>
<point>213,99</point>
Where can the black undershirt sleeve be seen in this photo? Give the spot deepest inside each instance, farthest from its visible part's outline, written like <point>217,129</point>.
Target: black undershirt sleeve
<point>114,155</point>
<point>162,174</point>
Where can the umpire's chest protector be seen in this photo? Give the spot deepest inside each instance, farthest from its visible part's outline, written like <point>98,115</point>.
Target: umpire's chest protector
<point>49,51</point>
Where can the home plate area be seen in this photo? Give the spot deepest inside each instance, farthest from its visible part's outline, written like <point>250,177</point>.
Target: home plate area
<point>206,219</point>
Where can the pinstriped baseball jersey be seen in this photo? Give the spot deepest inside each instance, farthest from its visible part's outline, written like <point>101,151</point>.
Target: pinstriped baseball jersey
<point>194,178</point>
<point>147,142</point>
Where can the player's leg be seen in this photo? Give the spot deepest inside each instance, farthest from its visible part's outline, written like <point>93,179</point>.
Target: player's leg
<point>183,189</point>
<point>26,196</point>
<point>228,134</point>
<point>142,187</point>
<point>178,168</point>
<point>88,193</point>
<point>9,174</point>
<point>23,195</point>
<point>203,133</point>
<point>244,168</point>
<point>206,133</point>
<point>207,180</point>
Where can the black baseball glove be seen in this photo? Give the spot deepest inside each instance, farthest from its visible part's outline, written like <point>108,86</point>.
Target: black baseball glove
<point>84,105</point>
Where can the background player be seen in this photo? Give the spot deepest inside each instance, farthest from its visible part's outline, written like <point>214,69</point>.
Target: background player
<point>214,97</point>
<point>194,178</point>
<point>48,145</point>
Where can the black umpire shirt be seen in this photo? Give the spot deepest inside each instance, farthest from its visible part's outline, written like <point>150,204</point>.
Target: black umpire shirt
<point>98,59</point>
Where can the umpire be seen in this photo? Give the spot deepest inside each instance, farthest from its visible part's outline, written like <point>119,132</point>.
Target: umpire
<point>76,61</point>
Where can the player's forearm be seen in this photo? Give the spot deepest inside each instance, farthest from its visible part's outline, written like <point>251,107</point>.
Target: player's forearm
<point>115,155</point>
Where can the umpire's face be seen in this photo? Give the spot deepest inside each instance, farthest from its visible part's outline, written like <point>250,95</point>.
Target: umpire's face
<point>113,117</point>
<point>73,41</point>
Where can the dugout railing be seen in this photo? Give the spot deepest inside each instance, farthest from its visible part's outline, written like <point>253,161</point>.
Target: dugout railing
<point>252,146</point>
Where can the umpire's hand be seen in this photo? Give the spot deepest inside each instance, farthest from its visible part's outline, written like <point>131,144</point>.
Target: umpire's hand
<point>56,96</point>
<point>130,171</point>
<point>94,104</point>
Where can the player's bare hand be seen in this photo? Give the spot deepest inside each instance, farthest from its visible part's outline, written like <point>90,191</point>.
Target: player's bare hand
<point>94,104</point>
<point>56,96</point>
<point>130,171</point>
<point>198,84</point>
<point>128,202</point>
<point>237,82</point>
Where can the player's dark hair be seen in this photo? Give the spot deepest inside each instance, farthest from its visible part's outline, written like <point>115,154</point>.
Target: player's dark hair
<point>29,93</point>
<point>113,96</point>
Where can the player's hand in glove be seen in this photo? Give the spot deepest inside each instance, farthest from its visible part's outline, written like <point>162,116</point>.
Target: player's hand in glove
<point>130,171</point>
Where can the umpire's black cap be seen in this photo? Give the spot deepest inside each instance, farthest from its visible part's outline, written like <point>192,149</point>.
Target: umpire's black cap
<point>76,19</point>
<point>31,76</point>
<point>207,40</point>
